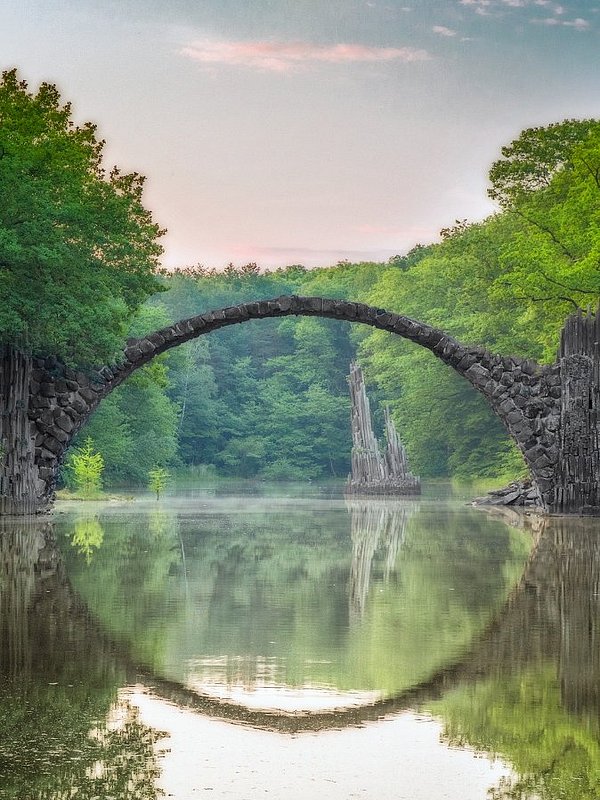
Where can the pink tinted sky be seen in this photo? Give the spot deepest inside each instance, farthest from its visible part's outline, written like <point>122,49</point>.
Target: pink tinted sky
<point>299,131</point>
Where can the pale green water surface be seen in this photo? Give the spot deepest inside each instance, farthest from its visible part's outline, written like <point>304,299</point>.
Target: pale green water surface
<point>295,644</point>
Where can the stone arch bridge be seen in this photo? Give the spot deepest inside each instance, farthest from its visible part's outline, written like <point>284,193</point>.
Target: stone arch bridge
<point>550,411</point>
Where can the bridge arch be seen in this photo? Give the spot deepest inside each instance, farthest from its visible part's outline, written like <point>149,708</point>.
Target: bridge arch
<point>525,395</point>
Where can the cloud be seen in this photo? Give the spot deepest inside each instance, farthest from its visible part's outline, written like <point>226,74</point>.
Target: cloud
<point>551,5</point>
<point>291,56</point>
<point>481,7</point>
<point>441,30</point>
<point>491,7</point>
<point>578,24</point>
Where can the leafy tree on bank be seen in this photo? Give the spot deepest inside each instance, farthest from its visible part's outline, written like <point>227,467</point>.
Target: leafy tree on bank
<point>269,398</point>
<point>507,283</point>
<point>78,250</point>
<point>157,480</point>
<point>85,467</point>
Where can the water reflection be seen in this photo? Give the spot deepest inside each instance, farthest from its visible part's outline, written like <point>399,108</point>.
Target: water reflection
<point>63,728</point>
<point>297,617</point>
<point>375,523</point>
<point>536,699</point>
<point>266,597</point>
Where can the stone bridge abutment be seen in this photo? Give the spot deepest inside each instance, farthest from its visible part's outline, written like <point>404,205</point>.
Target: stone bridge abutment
<point>551,412</point>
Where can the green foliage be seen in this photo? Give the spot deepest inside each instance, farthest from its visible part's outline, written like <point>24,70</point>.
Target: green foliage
<point>158,479</point>
<point>78,250</point>
<point>85,466</point>
<point>269,398</point>
<point>135,427</point>
<point>549,184</point>
<point>522,718</point>
<point>506,283</point>
<point>87,537</point>
<point>529,164</point>
<point>62,741</point>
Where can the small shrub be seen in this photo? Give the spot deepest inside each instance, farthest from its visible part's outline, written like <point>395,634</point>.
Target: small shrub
<point>157,480</point>
<point>86,467</point>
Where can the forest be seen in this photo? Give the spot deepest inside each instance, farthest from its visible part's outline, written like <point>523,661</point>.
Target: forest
<point>80,270</point>
<point>269,399</point>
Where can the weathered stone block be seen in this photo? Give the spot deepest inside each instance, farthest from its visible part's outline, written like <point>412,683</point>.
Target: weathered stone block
<point>383,320</point>
<point>39,402</point>
<point>63,420</point>
<point>285,302</point>
<point>47,390</point>
<point>44,455</point>
<point>231,312</point>
<point>541,462</point>
<point>132,353</point>
<point>51,444</point>
<point>506,406</point>
<point>169,334</point>
<point>513,416</point>
<point>79,405</point>
<point>60,435</point>
<point>88,394</point>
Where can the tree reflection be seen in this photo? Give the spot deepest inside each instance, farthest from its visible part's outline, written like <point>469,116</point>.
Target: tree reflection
<point>87,537</point>
<point>536,701</point>
<point>64,730</point>
<point>299,595</point>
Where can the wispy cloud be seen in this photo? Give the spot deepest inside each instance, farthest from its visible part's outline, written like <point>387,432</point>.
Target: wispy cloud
<point>499,7</point>
<point>481,7</point>
<point>292,56</point>
<point>441,30</point>
<point>578,23</point>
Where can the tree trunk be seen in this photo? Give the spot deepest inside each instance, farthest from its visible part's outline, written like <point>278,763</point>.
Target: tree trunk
<point>22,491</point>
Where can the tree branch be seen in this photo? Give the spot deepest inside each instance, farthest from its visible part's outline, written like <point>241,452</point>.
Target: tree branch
<point>550,233</point>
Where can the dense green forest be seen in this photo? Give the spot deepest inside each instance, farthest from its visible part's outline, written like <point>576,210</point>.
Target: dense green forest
<point>269,398</point>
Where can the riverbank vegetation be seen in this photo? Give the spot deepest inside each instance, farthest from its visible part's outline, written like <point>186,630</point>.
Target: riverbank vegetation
<point>79,269</point>
<point>269,399</point>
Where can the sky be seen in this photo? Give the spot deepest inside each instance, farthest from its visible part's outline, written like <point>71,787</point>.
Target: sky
<point>309,131</point>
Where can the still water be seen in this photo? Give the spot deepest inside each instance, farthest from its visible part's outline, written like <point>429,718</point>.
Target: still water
<point>290,643</point>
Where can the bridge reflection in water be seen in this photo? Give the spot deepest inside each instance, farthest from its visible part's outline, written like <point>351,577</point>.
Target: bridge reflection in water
<point>526,687</point>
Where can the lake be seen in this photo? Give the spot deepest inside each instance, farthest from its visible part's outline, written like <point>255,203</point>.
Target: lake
<point>286,642</point>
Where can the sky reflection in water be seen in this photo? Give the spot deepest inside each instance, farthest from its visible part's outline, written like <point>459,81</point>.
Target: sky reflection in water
<point>286,608</point>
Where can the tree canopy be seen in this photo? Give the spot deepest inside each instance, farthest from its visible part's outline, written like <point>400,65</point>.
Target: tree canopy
<point>269,399</point>
<point>78,250</point>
